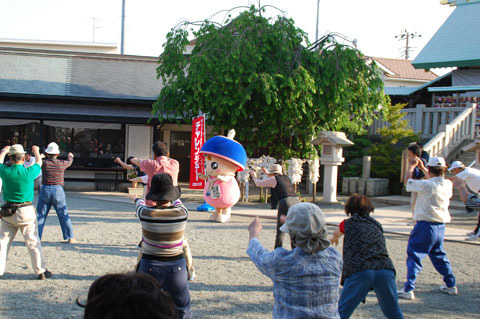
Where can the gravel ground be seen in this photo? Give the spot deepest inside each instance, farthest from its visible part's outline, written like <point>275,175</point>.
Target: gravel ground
<point>228,285</point>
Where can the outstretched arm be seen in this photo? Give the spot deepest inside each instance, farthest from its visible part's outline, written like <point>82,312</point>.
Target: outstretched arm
<point>135,161</point>
<point>337,234</point>
<point>122,163</point>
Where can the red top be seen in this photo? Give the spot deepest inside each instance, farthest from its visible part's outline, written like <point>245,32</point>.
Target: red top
<point>341,226</point>
<point>53,170</point>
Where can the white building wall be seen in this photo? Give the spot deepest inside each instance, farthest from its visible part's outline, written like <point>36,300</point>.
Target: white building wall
<point>139,141</point>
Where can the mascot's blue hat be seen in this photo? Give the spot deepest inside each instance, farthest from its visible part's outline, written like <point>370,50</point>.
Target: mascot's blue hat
<point>227,149</point>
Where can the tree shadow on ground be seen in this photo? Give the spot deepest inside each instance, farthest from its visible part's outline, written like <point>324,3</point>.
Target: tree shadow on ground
<point>221,258</point>
<point>198,286</point>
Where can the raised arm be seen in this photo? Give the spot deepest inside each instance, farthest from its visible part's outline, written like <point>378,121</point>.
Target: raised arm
<point>70,159</point>
<point>36,153</point>
<point>409,173</point>
<point>3,153</point>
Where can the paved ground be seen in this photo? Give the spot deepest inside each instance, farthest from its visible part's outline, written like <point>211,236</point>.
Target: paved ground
<point>228,285</point>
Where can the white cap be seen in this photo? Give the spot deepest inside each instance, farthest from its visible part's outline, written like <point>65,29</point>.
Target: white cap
<point>52,148</point>
<point>437,162</point>
<point>456,164</point>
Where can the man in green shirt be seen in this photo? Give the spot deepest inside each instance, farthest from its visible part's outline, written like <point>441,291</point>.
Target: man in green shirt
<point>18,193</point>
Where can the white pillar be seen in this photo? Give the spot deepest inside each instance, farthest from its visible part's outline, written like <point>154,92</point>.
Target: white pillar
<point>330,184</point>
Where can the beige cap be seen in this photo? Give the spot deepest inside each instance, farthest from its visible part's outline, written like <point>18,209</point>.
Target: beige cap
<point>16,149</point>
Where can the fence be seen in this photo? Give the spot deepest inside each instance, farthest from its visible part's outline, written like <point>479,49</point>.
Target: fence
<point>446,127</point>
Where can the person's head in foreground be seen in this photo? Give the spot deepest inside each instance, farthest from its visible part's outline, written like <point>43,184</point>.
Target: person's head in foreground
<point>127,296</point>
<point>307,227</point>
<point>436,166</point>
<point>358,204</point>
<point>162,190</point>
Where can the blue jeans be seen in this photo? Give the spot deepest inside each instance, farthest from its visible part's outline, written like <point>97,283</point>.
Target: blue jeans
<point>357,286</point>
<point>53,195</point>
<point>425,239</point>
<point>172,276</point>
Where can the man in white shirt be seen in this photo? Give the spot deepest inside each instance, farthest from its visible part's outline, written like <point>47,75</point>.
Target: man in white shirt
<point>431,214</point>
<point>29,161</point>
<point>470,177</point>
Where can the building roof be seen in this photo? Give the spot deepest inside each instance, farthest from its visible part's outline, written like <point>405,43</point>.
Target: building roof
<point>413,89</point>
<point>403,69</point>
<point>464,88</point>
<point>79,75</point>
<point>457,42</point>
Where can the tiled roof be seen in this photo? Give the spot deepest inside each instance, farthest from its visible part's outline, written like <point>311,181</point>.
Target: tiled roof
<point>78,74</point>
<point>404,69</point>
<point>457,42</point>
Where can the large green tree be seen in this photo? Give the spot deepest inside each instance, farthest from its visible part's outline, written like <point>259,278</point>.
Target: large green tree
<point>262,77</point>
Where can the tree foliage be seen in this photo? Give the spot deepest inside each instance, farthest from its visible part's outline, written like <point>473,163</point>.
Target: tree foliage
<point>262,77</point>
<point>387,153</point>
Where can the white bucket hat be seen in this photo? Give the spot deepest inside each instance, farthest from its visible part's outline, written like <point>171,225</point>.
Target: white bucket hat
<point>16,149</point>
<point>52,148</point>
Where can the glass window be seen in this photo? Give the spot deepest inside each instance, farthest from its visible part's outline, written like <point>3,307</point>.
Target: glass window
<point>91,147</point>
<point>60,135</point>
<point>26,134</point>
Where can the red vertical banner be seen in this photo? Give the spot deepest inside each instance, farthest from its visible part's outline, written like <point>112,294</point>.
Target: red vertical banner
<point>196,160</point>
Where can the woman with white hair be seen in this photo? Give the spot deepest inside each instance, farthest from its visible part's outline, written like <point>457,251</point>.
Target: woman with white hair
<point>305,279</point>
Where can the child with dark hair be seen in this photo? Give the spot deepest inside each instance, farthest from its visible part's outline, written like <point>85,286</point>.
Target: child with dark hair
<point>414,153</point>
<point>127,296</point>
<point>366,264</point>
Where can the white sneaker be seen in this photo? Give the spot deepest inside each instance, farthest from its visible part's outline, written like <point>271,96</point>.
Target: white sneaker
<point>472,237</point>
<point>449,290</point>
<point>409,295</point>
<point>470,233</point>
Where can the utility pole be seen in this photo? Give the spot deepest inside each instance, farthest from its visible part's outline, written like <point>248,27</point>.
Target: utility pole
<point>122,40</point>
<point>318,14</point>
<point>94,19</point>
<point>405,35</point>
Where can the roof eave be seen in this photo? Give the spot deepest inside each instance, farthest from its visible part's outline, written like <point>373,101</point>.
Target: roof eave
<point>445,64</point>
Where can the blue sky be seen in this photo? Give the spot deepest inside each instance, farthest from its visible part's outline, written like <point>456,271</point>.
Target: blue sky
<point>374,23</point>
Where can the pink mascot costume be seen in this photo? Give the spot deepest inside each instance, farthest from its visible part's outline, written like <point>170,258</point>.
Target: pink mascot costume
<point>223,157</point>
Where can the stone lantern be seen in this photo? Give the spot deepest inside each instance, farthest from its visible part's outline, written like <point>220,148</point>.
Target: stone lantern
<point>331,157</point>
